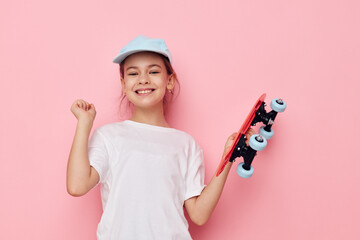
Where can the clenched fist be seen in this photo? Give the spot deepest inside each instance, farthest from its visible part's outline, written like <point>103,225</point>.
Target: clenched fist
<point>83,110</point>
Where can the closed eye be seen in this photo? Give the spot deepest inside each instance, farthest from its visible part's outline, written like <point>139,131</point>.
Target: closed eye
<point>154,72</point>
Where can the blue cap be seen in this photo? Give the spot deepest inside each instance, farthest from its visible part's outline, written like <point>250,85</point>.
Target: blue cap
<point>142,43</point>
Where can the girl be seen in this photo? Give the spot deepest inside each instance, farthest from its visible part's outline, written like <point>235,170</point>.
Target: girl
<point>148,171</point>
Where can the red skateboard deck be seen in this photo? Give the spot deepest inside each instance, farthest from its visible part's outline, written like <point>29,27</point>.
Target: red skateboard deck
<point>245,126</point>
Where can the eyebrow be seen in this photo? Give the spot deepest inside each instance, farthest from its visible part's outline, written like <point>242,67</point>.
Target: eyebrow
<point>149,66</point>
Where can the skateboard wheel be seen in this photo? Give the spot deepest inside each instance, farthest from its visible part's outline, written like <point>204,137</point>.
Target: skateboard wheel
<point>244,173</point>
<point>257,142</point>
<point>278,105</point>
<point>265,133</point>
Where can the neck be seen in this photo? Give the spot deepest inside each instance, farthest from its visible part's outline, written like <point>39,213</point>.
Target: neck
<point>153,116</point>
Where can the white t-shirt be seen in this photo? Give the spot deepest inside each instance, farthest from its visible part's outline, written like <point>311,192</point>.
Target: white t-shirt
<point>146,174</point>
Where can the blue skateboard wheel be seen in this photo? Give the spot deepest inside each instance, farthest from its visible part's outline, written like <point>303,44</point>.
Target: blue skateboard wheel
<point>265,133</point>
<point>257,142</point>
<point>244,173</point>
<point>278,105</point>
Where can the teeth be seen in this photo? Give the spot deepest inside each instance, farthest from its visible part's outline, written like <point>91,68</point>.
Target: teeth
<point>144,91</point>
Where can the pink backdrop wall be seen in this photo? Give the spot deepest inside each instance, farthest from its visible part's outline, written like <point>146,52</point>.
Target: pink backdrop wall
<point>226,53</point>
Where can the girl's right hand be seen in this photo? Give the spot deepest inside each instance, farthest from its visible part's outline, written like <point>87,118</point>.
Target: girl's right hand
<point>83,110</point>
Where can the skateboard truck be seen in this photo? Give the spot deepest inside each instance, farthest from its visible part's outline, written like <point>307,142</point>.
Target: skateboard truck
<point>242,150</point>
<point>266,118</point>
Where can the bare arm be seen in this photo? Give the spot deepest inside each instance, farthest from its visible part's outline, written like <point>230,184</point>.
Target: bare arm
<point>81,177</point>
<point>201,207</point>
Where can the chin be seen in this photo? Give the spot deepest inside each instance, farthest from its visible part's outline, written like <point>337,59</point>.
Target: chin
<point>148,105</point>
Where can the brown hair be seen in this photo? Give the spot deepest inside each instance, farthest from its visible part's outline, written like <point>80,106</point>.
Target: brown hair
<point>168,98</point>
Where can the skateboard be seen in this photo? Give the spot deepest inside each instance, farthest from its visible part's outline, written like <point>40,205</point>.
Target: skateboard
<point>257,142</point>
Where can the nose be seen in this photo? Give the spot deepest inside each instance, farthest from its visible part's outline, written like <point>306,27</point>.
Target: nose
<point>144,79</point>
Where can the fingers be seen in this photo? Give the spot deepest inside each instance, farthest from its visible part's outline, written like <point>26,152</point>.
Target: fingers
<point>84,105</point>
<point>233,135</point>
<point>248,134</point>
<point>250,131</point>
<point>230,140</point>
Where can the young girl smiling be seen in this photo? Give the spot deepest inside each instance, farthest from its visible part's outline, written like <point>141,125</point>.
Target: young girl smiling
<point>149,172</point>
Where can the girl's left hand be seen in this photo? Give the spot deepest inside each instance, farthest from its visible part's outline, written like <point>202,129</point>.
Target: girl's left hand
<point>231,139</point>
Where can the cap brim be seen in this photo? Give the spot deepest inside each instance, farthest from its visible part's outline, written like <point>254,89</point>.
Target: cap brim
<point>121,57</point>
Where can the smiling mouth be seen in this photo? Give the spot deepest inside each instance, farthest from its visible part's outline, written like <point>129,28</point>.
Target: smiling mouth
<point>144,91</point>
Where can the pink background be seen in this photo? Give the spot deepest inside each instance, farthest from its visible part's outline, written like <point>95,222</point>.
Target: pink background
<point>226,53</point>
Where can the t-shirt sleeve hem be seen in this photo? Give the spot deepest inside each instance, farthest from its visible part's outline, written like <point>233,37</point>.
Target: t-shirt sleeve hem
<point>98,169</point>
<point>194,193</point>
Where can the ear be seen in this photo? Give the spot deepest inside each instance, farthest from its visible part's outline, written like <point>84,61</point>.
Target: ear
<point>122,85</point>
<point>171,82</point>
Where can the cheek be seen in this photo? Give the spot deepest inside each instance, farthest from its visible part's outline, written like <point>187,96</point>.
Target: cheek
<point>128,84</point>
<point>164,82</point>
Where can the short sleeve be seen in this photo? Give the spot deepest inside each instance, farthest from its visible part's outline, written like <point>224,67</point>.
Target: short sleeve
<point>195,174</point>
<point>98,154</point>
